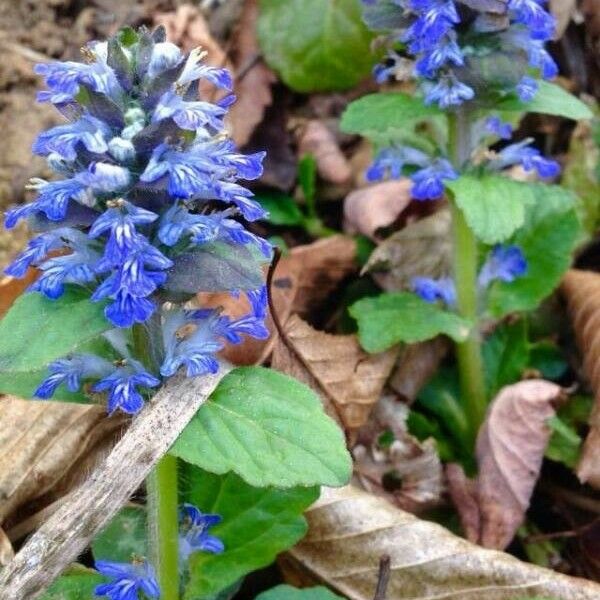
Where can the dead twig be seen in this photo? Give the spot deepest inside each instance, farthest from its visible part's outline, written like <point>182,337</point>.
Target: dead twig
<point>91,506</point>
<point>383,579</point>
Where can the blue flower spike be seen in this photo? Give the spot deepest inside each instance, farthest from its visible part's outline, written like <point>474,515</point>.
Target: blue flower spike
<point>129,580</point>
<point>193,532</point>
<point>146,175</point>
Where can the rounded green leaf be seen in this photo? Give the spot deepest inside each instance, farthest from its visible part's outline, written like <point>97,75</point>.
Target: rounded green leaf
<point>258,524</point>
<point>316,45</point>
<point>268,428</point>
<point>388,319</point>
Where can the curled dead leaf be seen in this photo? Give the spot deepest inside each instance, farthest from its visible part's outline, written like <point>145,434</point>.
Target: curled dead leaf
<point>422,249</point>
<point>563,10</point>
<point>48,447</point>
<point>350,378</point>
<point>371,208</point>
<point>510,451</point>
<point>6,550</point>
<point>349,531</point>
<point>317,139</point>
<point>582,291</point>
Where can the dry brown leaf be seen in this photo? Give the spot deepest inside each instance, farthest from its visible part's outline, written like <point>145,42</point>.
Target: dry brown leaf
<point>371,208</point>
<point>563,10</point>
<point>350,377</point>
<point>253,78</point>
<point>463,492</point>
<point>323,266</point>
<point>420,249</point>
<point>349,531</point>
<point>416,365</point>
<point>582,291</point>
<point>317,139</point>
<point>46,446</point>
<point>413,466</point>
<point>510,451</point>
<point>11,289</point>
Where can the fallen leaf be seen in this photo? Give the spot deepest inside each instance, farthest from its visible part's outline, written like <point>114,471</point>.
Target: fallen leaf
<point>317,139</point>
<point>582,291</point>
<point>368,209</point>
<point>350,378</point>
<point>421,249</point>
<point>349,531</point>
<point>46,445</point>
<point>11,289</point>
<point>416,365</point>
<point>510,450</point>
<point>253,78</point>
<point>563,10</point>
<point>408,473</point>
<point>591,12</point>
<point>463,492</point>
<point>324,265</point>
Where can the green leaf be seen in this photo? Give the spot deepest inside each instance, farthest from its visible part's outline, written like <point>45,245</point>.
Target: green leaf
<point>551,99</point>
<point>547,240</point>
<point>258,524</point>
<point>287,592</point>
<point>282,209</point>
<point>505,355</point>
<point>565,443</point>
<point>316,45</point>
<point>307,176</point>
<point>268,428</point>
<point>78,585</point>
<point>547,358</point>
<point>36,331</point>
<point>379,113</point>
<point>123,537</point>
<point>402,317</point>
<point>216,267</point>
<point>494,206</point>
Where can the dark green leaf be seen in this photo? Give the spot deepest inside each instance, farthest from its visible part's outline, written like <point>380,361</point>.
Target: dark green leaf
<point>493,205</point>
<point>547,358</point>
<point>123,537</point>
<point>287,592</point>
<point>127,36</point>
<point>548,239</point>
<point>307,176</point>
<point>216,267</point>
<point>316,45</point>
<point>565,443</point>
<point>380,113</point>
<point>268,428</point>
<point>36,331</point>
<point>282,209</point>
<point>506,356</point>
<point>258,524</point>
<point>402,317</point>
<point>551,99</point>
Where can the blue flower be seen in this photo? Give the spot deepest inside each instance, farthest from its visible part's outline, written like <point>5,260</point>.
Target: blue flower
<point>37,249</point>
<point>504,263</point>
<point>193,532</point>
<point>448,92</point>
<point>63,139</point>
<point>195,69</point>
<point>428,183</point>
<point>447,52</point>
<point>389,162</point>
<point>530,158</point>
<point>532,14</point>
<point>432,290</point>
<point>129,579</point>
<point>188,115</point>
<point>499,128</point>
<point>527,89</point>
<point>122,386</point>
<point>165,56</point>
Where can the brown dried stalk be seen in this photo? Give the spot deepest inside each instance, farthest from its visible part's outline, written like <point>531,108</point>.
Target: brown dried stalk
<point>91,506</point>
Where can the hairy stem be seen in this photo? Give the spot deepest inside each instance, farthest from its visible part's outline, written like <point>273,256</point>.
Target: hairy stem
<point>162,494</point>
<point>468,353</point>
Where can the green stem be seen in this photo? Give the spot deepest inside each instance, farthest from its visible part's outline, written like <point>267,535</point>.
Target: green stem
<point>465,263</point>
<point>163,525</point>
<point>162,496</point>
